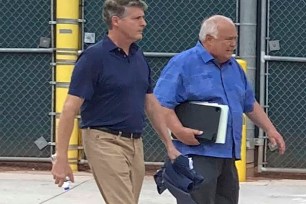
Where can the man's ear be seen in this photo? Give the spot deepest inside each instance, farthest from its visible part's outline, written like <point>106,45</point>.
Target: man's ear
<point>115,21</point>
<point>208,39</point>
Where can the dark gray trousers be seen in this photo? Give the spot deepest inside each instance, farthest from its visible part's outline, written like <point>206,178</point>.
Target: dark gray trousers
<point>221,184</point>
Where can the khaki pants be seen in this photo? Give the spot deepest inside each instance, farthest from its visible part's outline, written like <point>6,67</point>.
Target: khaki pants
<point>117,164</point>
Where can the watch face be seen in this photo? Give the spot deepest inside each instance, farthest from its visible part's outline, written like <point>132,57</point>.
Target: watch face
<point>272,147</point>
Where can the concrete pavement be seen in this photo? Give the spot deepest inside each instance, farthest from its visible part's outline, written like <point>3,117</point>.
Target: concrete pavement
<point>26,187</point>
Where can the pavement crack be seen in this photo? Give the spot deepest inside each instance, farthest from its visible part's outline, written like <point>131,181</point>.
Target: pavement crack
<point>75,186</point>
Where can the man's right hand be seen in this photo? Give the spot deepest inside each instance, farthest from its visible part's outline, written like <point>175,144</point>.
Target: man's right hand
<point>60,170</point>
<point>187,136</point>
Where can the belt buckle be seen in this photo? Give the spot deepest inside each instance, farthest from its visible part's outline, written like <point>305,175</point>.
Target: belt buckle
<point>131,135</point>
<point>119,133</point>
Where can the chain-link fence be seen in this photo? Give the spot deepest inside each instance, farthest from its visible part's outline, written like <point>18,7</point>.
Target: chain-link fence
<point>173,26</point>
<point>287,89</point>
<point>25,93</point>
<point>287,23</point>
<point>23,23</point>
<point>287,82</point>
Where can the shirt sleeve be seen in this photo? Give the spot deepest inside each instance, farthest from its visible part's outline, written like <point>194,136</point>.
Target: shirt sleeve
<point>150,87</point>
<point>249,96</point>
<point>84,76</point>
<point>170,89</point>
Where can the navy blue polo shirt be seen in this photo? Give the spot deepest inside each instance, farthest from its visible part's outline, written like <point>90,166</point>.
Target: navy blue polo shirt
<point>114,86</point>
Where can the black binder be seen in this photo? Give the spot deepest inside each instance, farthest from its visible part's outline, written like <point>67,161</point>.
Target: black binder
<point>196,116</point>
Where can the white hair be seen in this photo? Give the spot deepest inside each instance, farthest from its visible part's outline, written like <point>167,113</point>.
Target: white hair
<point>210,26</point>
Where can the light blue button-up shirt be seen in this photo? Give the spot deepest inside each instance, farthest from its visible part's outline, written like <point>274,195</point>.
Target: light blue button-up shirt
<point>193,75</point>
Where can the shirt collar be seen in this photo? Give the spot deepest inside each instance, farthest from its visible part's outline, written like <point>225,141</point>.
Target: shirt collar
<point>110,45</point>
<point>206,56</point>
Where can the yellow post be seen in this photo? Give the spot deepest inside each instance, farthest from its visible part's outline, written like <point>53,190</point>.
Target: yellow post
<point>241,164</point>
<point>67,46</point>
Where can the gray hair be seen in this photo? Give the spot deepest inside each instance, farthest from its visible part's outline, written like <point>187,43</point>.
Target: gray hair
<point>210,26</point>
<point>117,8</point>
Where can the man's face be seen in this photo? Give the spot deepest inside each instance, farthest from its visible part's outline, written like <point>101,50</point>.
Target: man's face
<point>132,24</point>
<point>223,46</point>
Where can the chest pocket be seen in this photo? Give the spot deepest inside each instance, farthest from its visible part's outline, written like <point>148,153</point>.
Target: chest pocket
<point>201,86</point>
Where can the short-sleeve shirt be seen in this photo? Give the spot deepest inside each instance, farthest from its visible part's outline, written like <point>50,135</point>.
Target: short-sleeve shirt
<point>194,75</point>
<point>113,86</point>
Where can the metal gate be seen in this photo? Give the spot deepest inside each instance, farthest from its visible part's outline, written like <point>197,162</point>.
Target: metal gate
<point>27,50</point>
<point>25,92</point>
<point>27,60</point>
<point>285,82</point>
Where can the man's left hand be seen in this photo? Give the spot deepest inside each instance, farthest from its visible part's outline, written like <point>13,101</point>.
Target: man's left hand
<point>276,139</point>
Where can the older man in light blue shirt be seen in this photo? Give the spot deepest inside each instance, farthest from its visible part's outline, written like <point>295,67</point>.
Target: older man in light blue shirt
<point>194,76</point>
<point>208,72</point>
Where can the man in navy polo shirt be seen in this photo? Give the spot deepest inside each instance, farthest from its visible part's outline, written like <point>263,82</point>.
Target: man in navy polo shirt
<point>111,83</point>
<point>207,72</point>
